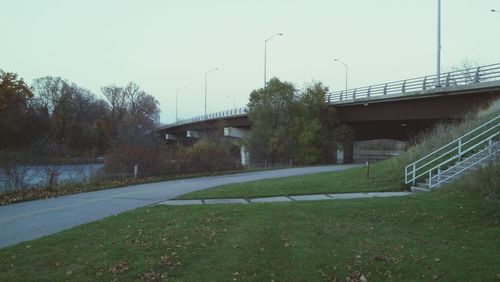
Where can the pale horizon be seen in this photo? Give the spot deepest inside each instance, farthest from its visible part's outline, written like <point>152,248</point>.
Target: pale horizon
<point>165,45</point>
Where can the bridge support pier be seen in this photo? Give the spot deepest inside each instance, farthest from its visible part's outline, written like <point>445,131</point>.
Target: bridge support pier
<point>245,156</point>
<point>239,133</point>
<point>345,153</point>
<point>193,134</point>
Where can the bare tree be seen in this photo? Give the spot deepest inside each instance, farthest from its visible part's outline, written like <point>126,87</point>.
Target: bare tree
<point>134,95</point>
<point>466,72</point>
<point>116,99</point>
<point>49,91</point>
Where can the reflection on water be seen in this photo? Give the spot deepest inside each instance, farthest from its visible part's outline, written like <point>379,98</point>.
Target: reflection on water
<point>37,175</point>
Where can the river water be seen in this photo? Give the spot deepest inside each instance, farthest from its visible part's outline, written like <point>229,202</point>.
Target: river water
<point>38,175</point>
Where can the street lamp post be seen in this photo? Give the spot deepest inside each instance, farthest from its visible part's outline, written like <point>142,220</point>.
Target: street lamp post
<point>206,76</point>
<point>346,72</point>
<point>438,57</point>
<point>176,98</point>
<point>234,101</point>
<point>265,56</point>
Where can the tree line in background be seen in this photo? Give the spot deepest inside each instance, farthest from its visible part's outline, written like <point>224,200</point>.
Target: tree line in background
<point>53,121</point>
<point>54,117</point>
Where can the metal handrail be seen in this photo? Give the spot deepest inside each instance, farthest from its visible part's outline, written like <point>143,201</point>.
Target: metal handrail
<point>466,76</point>
<point>453,78</point>
<point>496,119</point>
<point>460,145</point>
<point>212,116</point>
<point>489,148</point>
<point>436,167</point>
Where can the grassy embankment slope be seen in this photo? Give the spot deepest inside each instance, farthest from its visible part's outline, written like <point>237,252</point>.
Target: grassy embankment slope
<point>450,235</point>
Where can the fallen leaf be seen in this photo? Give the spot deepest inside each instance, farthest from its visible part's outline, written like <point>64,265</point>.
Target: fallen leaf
<point>119,267</point>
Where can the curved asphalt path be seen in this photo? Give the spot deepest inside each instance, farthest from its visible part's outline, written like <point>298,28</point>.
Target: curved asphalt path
<point>30,220</point>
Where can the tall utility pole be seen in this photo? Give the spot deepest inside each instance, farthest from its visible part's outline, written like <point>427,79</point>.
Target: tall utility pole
<point>346,72</point>
<point>265,56</point>
<point>206,77</point>
<point>438,65</point>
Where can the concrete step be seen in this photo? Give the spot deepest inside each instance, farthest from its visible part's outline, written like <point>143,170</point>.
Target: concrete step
<point>423,185</point>
<point>419,189</point>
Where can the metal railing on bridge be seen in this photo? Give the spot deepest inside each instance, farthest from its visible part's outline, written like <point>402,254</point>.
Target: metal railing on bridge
<point>461,77</point>
<point>466,76</point>
<point>236,112</point>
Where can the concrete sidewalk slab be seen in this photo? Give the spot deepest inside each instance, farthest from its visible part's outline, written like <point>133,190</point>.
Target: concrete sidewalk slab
<point>180,203</point>
<point>310,198</point>
<point>225,201</point>
<point>388,194</point>
<point>280,199</point>
<point>347,196</point>
<point>271,200</point>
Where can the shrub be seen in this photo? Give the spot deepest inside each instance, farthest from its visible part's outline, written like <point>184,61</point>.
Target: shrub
<point>207,156</point>
<point>123,158</point>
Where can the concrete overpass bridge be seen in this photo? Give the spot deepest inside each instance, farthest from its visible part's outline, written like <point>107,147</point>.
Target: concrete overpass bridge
<point>394,110</point>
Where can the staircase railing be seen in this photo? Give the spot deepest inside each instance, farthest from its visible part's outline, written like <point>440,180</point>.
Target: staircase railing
<point>452,152</point>
<point>477,158</point>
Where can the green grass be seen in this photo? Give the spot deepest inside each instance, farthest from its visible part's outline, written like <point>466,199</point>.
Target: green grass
<point>383,177</point>
<point>450,236</point>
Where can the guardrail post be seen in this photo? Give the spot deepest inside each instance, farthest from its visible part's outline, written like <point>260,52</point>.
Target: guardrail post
<point>424,84</point>
<point>385,89</point>
<point>448,79</point>
<point>477,76</point>
<point>354,94</point>
<point>403,88</point>
<point>369,90</point>
<point>490,144</point>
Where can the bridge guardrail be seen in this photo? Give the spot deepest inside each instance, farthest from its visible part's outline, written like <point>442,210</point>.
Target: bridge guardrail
<point>454,78</point>
<point>465,76</point>
<point>222,114</point>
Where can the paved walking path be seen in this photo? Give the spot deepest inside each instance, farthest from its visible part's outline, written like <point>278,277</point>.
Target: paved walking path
<point>279,199</point>
<point>30,220</point>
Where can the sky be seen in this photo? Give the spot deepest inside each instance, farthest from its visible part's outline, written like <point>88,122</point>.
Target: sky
<point>164,45</point>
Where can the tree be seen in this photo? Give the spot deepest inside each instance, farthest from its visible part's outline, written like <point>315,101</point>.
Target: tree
<point>74,114</point>
<point>317,119</point>
<point>294,125</point>
<point>272,112</point>
<point>133,113</point>
<point>15,113</point>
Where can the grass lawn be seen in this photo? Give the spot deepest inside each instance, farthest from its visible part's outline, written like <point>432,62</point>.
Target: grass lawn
<point>445,235</point>
<point>383,177</point>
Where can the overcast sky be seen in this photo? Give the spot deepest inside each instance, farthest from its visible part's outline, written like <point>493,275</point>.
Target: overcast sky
<point>163,45</point>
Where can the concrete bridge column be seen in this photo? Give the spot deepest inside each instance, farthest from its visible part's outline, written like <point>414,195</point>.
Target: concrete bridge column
<point>239,133</point>
<point>245,156</point>
<point>345,153</point>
